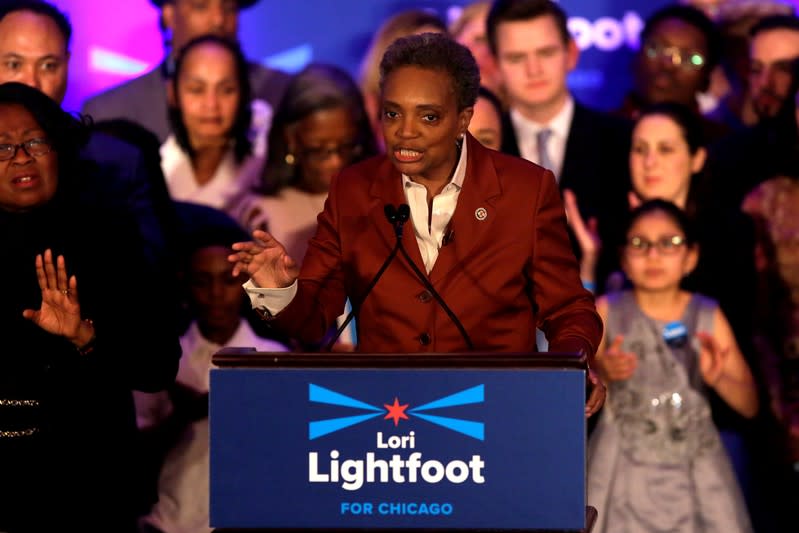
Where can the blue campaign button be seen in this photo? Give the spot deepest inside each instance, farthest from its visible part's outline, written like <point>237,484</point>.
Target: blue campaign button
<point>675,334</point>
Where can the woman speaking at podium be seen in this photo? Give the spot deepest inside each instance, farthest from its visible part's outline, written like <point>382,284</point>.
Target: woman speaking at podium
<point>484,260</point>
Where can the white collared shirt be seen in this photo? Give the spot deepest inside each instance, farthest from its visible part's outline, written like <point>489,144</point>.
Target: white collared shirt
<point>183,483</point>
<point>429,233</point>
<point>527,135</point>
<point>231,180</point>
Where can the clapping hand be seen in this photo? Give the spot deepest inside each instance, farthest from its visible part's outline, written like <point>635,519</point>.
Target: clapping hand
<point>712,358</point>
<point>586,233</point>
<point>615,364</point>
<point>597,396</point>
<point>59,313</point>
<point>265,261</point>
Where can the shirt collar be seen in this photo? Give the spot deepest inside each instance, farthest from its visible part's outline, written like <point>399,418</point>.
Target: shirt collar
<point>457,177</point>
<point>559,124</point>
<point>193,340</point>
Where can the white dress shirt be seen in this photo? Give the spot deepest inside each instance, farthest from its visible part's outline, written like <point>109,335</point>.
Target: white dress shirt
<point>231,181</point>
<point>183,484</point>
<point>527,134</point>
<point>429,232</point>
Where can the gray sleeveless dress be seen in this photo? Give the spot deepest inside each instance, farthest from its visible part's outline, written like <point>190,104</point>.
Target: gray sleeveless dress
<point>655,460</point>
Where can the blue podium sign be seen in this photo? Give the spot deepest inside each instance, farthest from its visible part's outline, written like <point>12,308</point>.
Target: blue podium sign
<point>406,448</point>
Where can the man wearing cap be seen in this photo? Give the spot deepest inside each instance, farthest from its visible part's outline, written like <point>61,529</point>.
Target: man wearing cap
<point>143,99</point>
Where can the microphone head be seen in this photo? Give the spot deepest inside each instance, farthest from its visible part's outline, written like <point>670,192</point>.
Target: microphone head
<point>391,213</point>
<point>403,212</point>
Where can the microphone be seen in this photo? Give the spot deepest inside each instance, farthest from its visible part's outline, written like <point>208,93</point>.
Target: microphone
<point>397,218</point>
<point>449,236</point>
<point>403,212</point>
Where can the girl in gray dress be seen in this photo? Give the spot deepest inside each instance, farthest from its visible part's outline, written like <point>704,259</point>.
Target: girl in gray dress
<point>655,460</point>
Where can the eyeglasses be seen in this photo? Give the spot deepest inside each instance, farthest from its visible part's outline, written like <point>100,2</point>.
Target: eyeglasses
<point>679,57</point>
<point>664,246</point>
<point>32,147</point>
<point>319,154</point>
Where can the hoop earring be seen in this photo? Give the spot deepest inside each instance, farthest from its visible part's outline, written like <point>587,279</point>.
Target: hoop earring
<point>290,159</point>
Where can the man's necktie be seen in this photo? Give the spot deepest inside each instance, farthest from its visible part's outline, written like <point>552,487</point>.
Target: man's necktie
<point>542,138</point>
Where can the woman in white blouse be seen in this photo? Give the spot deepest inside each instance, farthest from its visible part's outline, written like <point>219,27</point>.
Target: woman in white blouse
<point>216,151</point>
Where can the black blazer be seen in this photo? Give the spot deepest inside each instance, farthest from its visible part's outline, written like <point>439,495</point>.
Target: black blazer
<point>596,169</point>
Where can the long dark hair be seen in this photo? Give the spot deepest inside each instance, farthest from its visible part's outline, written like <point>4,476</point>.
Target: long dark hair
<point>240,131</point>
<point>315,88</point>
<point>66,133</point>
<point>690,126</point>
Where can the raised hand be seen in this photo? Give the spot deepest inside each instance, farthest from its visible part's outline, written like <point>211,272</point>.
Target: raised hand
<point>59,313</point>
<point>586,232</point>
<point>265,261</point>
<point>712,358</point>
<point>633,200</point>
<point>615,364</point>
<point>597,396</point>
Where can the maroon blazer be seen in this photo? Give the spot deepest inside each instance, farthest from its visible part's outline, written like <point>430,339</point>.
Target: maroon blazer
<point>502,276</point>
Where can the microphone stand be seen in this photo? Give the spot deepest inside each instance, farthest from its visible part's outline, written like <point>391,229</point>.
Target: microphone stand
<point>397,217</point>
<point>391,214</point>
<point>403,213</point>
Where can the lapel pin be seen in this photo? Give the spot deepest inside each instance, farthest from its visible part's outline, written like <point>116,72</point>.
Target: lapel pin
<point>480,213</point>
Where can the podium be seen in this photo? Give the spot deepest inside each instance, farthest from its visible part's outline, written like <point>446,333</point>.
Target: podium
<point>399,442</point>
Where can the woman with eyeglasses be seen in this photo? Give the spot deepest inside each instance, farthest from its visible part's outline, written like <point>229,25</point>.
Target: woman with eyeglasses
<point>216,151</point>
<point>320,127</point>
<point>82,327</point>
<point>667,159</point>
<point>656,461</point>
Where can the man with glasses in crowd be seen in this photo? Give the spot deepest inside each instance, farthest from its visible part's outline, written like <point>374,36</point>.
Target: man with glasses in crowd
<point>680,47</point>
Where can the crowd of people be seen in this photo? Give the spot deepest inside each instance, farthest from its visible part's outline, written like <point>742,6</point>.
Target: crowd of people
<point>215,202</point>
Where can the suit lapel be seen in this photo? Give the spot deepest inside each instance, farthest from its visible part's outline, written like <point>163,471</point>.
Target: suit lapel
<point>576,162</point>
<point>510,144</point>
<point>475,212</point>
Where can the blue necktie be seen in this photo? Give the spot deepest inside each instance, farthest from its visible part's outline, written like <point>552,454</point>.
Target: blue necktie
<point>542,138</point>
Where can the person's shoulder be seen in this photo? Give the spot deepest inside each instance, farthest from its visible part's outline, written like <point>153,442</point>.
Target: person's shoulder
<point>107,149</point>
<point>705,302</point>
<point>365,171</point>
<point>601,122</point>
<point>268,83</point>
<point>121,95</point>
<point>507,166</point>
<point>260,72</point>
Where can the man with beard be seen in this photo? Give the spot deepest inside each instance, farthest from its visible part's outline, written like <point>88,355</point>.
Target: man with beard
<point>773,49</point>
<point>741,161</point>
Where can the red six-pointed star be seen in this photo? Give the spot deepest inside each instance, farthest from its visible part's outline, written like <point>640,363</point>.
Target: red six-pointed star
<point>396,411</point>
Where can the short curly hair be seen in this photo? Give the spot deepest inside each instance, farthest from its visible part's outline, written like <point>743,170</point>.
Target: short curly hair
<point>435,51</point>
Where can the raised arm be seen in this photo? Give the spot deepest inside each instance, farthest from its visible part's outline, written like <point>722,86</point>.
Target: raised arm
<point>724,368</point>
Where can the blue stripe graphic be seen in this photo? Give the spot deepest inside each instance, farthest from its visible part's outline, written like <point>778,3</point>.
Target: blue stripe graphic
<point>322,395</point>
<point>319,428</point>
<point>464,397</point>
<point>476,430</point>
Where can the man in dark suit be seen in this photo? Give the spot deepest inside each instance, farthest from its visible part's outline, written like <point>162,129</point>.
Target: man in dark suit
<point>585,149</point>
<point>144,99</point>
